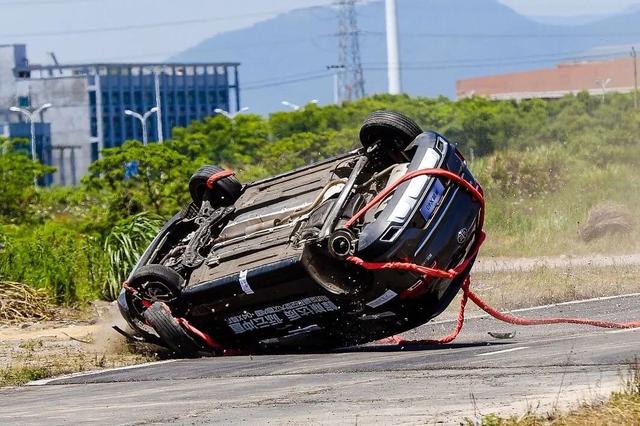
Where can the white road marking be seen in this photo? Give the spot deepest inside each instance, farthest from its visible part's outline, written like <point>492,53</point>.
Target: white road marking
<point>92,372</point>
<point>503,351</point>
<point>624,330</point>
<point>577,302</point>
<point>553,305</point>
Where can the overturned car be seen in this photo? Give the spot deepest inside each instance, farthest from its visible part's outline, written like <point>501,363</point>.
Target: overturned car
<point>352,249</point>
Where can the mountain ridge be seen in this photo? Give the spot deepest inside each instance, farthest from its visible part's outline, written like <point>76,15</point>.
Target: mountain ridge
<point>285,57</point>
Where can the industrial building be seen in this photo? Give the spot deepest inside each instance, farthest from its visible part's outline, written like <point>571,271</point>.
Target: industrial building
<point>89,100</point>
<point>595,77</point>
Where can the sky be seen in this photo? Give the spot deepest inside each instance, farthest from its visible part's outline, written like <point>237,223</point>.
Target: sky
<point>138,30</point>
<point>568,7</point>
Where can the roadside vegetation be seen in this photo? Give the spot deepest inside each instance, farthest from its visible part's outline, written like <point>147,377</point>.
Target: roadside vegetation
<point>546,285</point>
<point>49,353</point>
<point>546,166</point>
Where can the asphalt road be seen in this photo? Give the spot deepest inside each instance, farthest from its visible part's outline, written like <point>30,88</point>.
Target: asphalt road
<point>541,368</point>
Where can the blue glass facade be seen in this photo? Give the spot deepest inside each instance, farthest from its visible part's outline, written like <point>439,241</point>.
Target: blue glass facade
<point>187,93</point>
<point>89,101</point>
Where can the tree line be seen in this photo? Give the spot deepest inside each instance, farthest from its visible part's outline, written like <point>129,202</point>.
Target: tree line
<point>517,149</point>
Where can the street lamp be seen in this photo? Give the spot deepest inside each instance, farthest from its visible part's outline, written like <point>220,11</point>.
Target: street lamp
<point>290,105</point>
<point>31,116</point>
<point>338,70</point>
<point>298,107</point>
<point>603,84</point>
<point>228,114</point>
<point>156,83</point>
<point>143,121</point>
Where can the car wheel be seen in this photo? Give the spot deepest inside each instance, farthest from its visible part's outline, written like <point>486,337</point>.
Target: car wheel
<point>225,191</point>
<point>170,331</point>
<point>157,283</point>
<point>391,131</point>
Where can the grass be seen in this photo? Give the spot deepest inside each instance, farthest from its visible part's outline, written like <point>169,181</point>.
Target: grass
<point>55,257</point>
<point>536,216</point>
<point>124,244</point>
<point>18,375</point>
<point>622,408</point>
<point>516,289</point>
<point>40,358</point>
<point>25,369</point>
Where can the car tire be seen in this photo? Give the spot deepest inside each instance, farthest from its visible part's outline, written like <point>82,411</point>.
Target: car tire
<point>157,283</point>
<point>391,130</point>
<point>172,334</point>
<point>225,191</point>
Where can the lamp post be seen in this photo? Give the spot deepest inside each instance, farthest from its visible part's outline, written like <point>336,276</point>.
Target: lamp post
<point>156,83</point>
<point>290,105</point>
<point>337,70</point>
<point>143,121</point>
<point>228,114</point>
<point>634,55</point>
<point>298,107</point>
<point>393,60</point>
<point>31,116</point>
<point>603,84</point>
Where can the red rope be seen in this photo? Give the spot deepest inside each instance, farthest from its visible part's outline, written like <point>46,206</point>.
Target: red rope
<point>467,293</point>
<point>217,176</point>
<point>202,335</point>
<point>451,337</point>
<point>512,319</point>
<point>475,192</point>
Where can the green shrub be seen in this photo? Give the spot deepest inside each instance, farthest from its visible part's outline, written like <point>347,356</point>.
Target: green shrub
<point>124,245</point>
<point>525,174</point>
<point>54,256</point>
<point>18,196</point>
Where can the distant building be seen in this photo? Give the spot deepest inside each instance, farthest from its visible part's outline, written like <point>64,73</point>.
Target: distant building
<point>555,82</point>
<point>89,102</point>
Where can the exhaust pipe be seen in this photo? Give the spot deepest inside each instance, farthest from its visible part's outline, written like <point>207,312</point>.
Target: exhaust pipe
<point>342,244</point>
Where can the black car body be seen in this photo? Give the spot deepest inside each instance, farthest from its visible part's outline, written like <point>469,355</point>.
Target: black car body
<point>276,263</point>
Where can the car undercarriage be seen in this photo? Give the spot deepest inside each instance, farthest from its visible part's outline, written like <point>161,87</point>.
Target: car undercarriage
<point>312,258</point>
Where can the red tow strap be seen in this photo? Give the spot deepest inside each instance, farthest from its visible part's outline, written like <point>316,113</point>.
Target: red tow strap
<point>202,335</point>
<point>467,293</point>
<point>217,176</point>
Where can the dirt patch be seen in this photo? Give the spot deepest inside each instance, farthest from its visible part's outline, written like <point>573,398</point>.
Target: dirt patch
<point>34,350</point>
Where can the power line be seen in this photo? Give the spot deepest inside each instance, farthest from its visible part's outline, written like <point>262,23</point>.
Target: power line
<point>283,77</point>
<point>315,76</point>
<point>13,3</point>
<point>119,28</point>
<point>296,40</point>
<point>504,35</point>
<point>550,56</point>
<point>458,65</point>
<point>312,75</point>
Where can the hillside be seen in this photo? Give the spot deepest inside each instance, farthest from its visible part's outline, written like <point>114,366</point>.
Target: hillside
<point>441,41</point>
